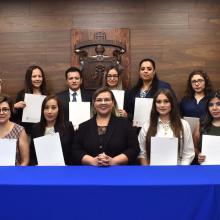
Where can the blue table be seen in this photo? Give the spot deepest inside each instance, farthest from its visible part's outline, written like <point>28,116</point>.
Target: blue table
<point>125,193</point>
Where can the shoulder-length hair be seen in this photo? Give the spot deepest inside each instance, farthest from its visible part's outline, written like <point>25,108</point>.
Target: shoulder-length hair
<point>28,80</point>
<point>119,72</point>
<point>189,92</point>
<point>139,84</point>
<point>59,124</point>
<point>175,120</point>
<point>207,122</point>
<point>102,90</point>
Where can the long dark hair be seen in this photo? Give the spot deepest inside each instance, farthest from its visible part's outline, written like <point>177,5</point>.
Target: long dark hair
<point>28,82</point>
<point>175,120</point>
<point>189,92</point>
<point>207,122</point>
<point>59,124</point>
<point>139,84</point>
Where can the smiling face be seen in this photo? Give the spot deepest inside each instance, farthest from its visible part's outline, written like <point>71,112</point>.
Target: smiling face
<point>73,80</point>
<point>163,105</point>
<point>36,78</point>
<point>104,104</point>
<point>51,111</point>
<point>147,71</point>
<point>112,78</point>
<point>214,108</point>
<point>198,83</point>
<point>5,112</point>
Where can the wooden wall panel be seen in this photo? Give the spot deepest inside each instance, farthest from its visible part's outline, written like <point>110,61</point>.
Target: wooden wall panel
<point>181,35</point>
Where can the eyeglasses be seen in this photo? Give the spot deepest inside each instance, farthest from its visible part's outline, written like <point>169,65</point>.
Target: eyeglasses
<point>99,100</point>
<point>112,76</point>
<point>197,81</point>
<point>4,110</point>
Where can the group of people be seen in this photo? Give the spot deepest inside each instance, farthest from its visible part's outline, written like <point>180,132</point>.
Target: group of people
<point>109,138</point>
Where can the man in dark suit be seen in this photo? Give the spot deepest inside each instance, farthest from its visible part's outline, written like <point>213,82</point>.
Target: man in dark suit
<point>74,92</point>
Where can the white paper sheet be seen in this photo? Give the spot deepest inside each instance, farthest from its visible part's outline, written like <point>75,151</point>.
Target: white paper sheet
<point>142,111</point>
<point>79,112</point>
<point>119,96</point>
<point>49,150</point>
<point>7,152</point>
<point>164,151</point>
<point>192,122</point>
<point>32,111</point>
<point>211,149</point>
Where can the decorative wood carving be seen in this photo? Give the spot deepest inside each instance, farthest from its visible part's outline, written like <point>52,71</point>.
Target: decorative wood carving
<point>95,50</point>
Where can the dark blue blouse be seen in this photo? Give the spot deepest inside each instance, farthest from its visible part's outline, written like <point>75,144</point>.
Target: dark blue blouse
<point>190,107</point>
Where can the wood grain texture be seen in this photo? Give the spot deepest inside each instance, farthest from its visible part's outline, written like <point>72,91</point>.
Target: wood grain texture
<point>181,35</point>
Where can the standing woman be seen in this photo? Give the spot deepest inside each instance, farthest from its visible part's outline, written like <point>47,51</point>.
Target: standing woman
<point>146,87</point>
<point>10,130</point>
<point>113,82</point>
<point>165,122</point>
<point>210,125</point>
<point>35,83</point>
<point>52,120</point>
<point>198,88</point>
<point>105,139</point>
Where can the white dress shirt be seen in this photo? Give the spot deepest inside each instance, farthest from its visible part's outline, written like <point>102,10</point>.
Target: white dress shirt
<point>187,152</point>
<point>78,95</point>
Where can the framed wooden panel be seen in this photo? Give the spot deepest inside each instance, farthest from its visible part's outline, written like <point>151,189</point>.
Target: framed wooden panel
<point>94,50</point>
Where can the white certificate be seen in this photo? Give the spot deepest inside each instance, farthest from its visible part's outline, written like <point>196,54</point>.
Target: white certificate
<point>119,96</point>
<point>32,111</point>
<point>142,111</point>
<point>211,149</point>
<point>49,150</point>
<point>7,152</point>
<point>79,112</point>
<point>192,122</point>
<point>164,151</point>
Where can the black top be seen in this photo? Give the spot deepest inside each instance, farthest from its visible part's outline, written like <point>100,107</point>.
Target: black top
<point>17,114</point>
<point>65,99</point>
<point>135,92</point>
<point>66,137</point>
<point>120,137</point>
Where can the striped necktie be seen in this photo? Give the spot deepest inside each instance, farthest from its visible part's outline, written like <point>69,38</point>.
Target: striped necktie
<point>74,97</point>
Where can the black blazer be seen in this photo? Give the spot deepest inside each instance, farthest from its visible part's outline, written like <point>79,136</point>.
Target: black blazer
<point>17,114</point>
<point>65,99</point>
<point>135,92</point>
<point>119,138</point>
<point>66,138</point>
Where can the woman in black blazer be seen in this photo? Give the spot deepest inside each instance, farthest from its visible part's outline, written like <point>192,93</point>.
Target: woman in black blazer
<point>105,139</point>
<point>35,83</point>
<point>52,120</point>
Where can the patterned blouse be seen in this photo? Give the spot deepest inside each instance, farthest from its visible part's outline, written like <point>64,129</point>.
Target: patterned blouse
<point>15,134</point>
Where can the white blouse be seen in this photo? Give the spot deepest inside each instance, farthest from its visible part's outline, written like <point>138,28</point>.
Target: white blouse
<point>165,130</point>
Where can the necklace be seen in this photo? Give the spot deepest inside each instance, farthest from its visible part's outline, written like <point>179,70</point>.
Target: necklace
<point>144,93</point>
<point>166,127</point>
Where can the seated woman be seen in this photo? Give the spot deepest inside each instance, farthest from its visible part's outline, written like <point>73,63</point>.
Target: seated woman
<point>105,139</point>
<point>10,130</point>
<point>52,120</point>
<point>35,83</point>
<point>197,90</point>
<point>210,125</point>
<point>165,122</point>
<point>146,87</point>
<point>113,82</point>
